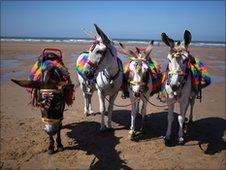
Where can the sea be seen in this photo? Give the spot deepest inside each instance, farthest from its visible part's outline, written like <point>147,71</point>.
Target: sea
<point>87,40</point>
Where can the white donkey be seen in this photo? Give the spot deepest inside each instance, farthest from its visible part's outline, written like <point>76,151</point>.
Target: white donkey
<point>103,71</point>
<point>178,84</point>
<point>139,83</point>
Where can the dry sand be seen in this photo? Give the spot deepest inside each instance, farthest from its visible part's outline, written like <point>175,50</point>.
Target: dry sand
<point>24,143</point>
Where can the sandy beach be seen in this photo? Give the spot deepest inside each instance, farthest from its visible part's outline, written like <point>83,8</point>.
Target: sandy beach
<point>24,143</point>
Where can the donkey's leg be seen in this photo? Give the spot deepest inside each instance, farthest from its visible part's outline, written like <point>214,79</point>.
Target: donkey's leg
<point>89,96</point>
<point>192,103</point>
<point>170,118</point>
<point>143,112</point>
<point>51,145</point>
<point>181,118</point>
<point>102,110</point>
<point>110,109</point>
<point>60,147</point>
<point>133,118</point>
<point>86,105</point>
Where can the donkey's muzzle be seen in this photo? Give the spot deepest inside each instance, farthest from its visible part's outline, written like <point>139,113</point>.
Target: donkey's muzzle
<point>137,94</point>
<point>174,87</point>
<point>51,129</point>
<point>89,74</point>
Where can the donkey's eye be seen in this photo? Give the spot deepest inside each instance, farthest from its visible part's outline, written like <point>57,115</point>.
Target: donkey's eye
<point>100,51</point>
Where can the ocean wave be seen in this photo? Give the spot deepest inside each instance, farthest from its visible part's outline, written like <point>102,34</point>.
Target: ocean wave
<point>200,44</point>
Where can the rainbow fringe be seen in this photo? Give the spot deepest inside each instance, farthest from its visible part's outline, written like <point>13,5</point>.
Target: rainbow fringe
<point>79,65</point>
<point>200,76</point>
<point>36,71</point>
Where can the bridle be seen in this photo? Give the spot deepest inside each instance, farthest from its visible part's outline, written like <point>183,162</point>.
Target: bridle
<point>93,46</point>
<point>170,72</point>
<point>141,83</point>
<point>94,66</point>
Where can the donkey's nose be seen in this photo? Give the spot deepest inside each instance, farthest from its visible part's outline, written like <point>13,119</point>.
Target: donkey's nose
<point>174,87</point>
<point>88,74</point>
<point>137,94</point>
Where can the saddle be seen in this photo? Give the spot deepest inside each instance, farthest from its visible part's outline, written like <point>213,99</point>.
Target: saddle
<point>51,58</point>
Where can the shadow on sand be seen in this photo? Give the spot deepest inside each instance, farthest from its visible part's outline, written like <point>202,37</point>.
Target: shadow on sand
<point>206,131</point>
<point>87,137</point>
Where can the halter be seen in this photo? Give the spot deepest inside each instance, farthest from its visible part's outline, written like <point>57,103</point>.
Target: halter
<point>95,66</point>
<point>93,46</point>
<point>138,83</point>
<point>185,73</point>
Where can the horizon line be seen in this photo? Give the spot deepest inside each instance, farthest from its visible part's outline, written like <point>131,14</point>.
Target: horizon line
<point>144,39</point>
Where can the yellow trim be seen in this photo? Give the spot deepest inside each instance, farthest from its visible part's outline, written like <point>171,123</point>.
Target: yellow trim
<point>50,90</point>
<point>136,83</point>
<point>51,121</point>
<point>180,73</point>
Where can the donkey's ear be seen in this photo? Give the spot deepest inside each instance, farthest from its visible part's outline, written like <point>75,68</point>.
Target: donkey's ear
<point>36,84</point>
<point>103,36</point>
<point>148,50</point>
<point>138,50</point>
<point>27,83</point>
<point>168,41</point>
<point>126,51</point>
<point>187,38</point>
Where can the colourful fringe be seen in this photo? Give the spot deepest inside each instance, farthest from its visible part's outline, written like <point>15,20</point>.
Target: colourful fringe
<point>200,76</point>
<point>36,71</point>
<point>79,65</point>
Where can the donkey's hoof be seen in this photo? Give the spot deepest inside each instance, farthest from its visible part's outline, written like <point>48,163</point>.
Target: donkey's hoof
<point>50,150</point>
<point>103,128</point>
<point>181,141</point>
<point>91,112</point>
<point>190,123</point>
<point>142,131</point>
<point>168,141</point>
<point>131,135</point>
<point>86,114</point>
<point>60,147</point>
<point>110,129</point>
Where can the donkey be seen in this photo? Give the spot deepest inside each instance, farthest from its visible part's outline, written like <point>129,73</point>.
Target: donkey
<point>51,88</point>
<point>102,71</point>
<point>178,84</point>
<point>140,84</point>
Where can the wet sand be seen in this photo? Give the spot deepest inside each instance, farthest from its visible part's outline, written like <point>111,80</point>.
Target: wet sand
<point>24,143</point>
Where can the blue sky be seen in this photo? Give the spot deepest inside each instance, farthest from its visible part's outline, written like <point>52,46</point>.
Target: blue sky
<point>127,19</point>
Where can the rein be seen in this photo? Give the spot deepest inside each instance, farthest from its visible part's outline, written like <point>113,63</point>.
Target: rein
<point>157,105</point>
<point>117,105</point>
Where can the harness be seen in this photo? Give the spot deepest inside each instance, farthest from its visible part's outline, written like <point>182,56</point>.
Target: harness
<point>50,99</point>
<point>114,77</point>
<point>94,66</point>
<point>185,74</point>
<point>154,73</point>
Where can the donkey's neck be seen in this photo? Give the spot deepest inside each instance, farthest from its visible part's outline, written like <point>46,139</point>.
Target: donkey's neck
<point>112,67</point>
